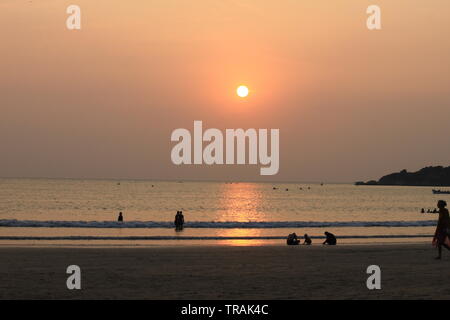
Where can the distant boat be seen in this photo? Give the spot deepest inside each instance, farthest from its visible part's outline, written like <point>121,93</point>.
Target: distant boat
<point>440,192</point>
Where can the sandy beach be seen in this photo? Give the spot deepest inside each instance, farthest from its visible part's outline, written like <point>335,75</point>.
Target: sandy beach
<point>220,272</point>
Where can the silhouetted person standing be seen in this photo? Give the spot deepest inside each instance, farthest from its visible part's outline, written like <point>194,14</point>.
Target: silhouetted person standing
<point>179,220</point>
<point>330,240</point>
<point>120,218</point>
<point>441,236</point>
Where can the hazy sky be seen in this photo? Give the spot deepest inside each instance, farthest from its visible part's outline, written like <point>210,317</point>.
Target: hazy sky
<point>101,102</point>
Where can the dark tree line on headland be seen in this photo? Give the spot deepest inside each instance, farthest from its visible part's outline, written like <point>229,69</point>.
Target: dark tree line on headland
<point>429,176</point>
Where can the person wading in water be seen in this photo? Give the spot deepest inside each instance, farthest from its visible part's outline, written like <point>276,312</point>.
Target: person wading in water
<point>179,221</point>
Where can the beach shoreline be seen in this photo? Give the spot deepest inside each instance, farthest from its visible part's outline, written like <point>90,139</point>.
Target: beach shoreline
<point>408,271</point>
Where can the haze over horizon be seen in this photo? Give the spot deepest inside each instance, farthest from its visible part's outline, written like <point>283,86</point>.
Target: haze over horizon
<point>101,102</point>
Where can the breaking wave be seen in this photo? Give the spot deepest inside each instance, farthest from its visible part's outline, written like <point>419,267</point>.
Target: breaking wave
<point>212,224</point>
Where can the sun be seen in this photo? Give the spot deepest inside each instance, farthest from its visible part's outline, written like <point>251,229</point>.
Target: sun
<point>242,91</point>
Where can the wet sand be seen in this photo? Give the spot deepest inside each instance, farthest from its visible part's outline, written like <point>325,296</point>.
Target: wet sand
<point>219,272</point>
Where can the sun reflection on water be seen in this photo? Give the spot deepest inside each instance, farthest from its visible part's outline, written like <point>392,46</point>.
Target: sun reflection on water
<point>241,202</point>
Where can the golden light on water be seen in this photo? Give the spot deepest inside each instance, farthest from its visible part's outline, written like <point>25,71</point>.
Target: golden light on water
<point>242,233</point>
<point>241,202</point>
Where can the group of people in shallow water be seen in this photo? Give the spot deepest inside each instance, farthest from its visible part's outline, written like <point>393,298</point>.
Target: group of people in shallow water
<point>292,239</point>
<point>179,220</point>
<point>430,211</point>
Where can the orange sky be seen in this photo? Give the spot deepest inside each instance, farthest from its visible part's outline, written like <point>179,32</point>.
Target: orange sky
<point>101,102</point>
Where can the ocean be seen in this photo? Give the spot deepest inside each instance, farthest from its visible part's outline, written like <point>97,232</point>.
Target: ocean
<point>84,212</point>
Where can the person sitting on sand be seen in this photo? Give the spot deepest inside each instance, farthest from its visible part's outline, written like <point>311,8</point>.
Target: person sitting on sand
<point>330,240</point>
<point>441,236</point>
<point>292,240</point>
<point>308,240</point>
<point>120,218</point>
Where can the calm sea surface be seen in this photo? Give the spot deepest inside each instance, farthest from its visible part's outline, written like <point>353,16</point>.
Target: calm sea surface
<point>84,212</point>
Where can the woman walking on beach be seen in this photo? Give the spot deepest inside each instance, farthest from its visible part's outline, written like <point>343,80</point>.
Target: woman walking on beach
<point>441,236</point>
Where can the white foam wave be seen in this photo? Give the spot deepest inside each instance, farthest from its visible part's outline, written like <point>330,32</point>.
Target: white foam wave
<point>212,224</point>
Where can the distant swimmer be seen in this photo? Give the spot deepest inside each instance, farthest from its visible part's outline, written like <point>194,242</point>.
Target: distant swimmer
<point>292,240</point>
<point>308,240</point>
<point>330,240</point>
<point>441,236</point>
<point>120,218</point>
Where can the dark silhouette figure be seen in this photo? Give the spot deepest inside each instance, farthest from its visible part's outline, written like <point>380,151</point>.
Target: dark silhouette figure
<point>423,210</point>
<point>292,240</point>
<point>120,218</point>
<point>441,236</point>
<point>330,240</point>
<point>179,221</point>
<point>307,241</point>
<point>175,222</point>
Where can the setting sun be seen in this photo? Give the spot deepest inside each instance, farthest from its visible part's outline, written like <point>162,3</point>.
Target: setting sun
<point>242,91</point>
